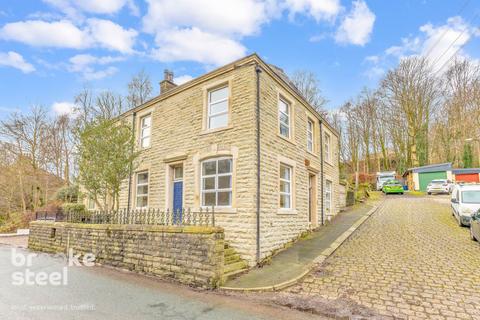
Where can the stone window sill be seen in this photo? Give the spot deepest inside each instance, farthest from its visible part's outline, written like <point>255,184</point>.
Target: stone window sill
<point>216,130</point>
<point>287,211</point>
<point>290,140</point>
<point>227,210</point>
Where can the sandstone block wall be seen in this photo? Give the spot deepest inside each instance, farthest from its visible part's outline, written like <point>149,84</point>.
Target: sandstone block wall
<point>190,255</point>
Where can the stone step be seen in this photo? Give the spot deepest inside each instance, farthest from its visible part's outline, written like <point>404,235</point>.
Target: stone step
<point>232,275</point>
<point>232,258</point>
<point>229,252</point>
<point>240,265</point>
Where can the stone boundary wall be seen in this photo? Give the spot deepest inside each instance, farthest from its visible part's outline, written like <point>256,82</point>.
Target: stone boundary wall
<point>190,255</point>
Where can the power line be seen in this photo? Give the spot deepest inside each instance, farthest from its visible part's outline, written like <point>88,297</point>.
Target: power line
<point>446,30</point>
<point>451,44</point>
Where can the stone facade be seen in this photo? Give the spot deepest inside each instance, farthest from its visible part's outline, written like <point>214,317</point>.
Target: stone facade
<point>190,255</point>
<point>179,137</point>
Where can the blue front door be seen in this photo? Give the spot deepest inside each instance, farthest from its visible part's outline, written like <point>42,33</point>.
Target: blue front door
<point>177,201</point>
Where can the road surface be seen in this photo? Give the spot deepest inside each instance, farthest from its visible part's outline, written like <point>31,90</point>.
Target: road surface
<point>410,260</point>
<point>103,293</point>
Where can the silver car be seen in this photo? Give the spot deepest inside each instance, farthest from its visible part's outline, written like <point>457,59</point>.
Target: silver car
<point>440,186</point>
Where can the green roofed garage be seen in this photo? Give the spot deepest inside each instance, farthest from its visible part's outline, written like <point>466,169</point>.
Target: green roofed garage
<point>426,177</point>
<point>418,178</point>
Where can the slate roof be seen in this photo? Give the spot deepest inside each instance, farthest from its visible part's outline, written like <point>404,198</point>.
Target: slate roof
<point>466,170</point>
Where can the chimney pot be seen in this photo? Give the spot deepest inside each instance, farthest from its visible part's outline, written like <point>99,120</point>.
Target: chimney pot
<point>167,83</point>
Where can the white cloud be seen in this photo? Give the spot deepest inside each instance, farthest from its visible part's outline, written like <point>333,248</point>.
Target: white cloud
<point>99,74</point>
<point>373,59</point>
<point>85,65</point>
<point>182,79</point>
<point>437,43</point>
<point>318,9</point>
<point>357,26</point>
<point>15,60</point>
<point>74,8</point>
<point>112,36</point>
<point>63,108</point>
<point>63,34</point>
<point>196,45</point>
<point>234,17</point>
<point>205,31</point>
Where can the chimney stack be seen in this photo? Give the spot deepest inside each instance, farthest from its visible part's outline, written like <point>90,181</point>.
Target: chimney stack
<point>167,83</point>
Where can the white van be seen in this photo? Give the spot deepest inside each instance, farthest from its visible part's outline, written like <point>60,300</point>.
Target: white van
<point>465,202</point>
<point>383,177</point>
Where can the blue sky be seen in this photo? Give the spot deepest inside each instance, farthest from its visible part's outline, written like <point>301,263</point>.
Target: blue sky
<point>51,49</point>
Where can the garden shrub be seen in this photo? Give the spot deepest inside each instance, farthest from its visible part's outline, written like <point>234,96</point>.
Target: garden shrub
<point>68,194</point>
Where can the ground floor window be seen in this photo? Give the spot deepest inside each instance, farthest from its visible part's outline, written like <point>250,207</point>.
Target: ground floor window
<point>142,189</point>
<point>91,203</point>
<point>285,186</point>
<point>328,197</point>
<point>216,182</point>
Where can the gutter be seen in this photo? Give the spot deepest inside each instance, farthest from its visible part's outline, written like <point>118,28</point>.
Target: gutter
<point>321,173</point>
<point>134,115</point>
<point>258,70</point>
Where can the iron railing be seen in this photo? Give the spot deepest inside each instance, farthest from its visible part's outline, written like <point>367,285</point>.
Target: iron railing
<point>151,216</point>
<point>49,215</point>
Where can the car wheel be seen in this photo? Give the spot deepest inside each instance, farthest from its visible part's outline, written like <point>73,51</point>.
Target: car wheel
<point>471,234</point>
<point>429,193</point>
<point>401,193</point>
<point>459,220</point>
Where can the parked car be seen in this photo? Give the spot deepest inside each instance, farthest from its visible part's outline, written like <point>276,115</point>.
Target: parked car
<point>392,186</point>
<point>465,202</point>
<point>475,226</point>
<point>440,186</point>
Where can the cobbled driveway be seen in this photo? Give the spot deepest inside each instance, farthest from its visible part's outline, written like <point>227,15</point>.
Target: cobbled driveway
<point>408,261</point>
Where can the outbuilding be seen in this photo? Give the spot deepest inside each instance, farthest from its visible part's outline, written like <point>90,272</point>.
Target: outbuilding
<point>466,175</point>
<point>419,177</point>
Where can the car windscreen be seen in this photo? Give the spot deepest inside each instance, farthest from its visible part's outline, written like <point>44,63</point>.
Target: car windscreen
<point>438,181</point>
<point>385,178</point>
<point>472,196</point>
<point>393,183</point>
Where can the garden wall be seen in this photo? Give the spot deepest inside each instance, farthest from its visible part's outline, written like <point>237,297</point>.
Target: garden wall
<point>192,255</point>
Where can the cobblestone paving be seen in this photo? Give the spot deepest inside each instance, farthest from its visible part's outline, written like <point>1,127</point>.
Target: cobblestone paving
<point>408,261</point>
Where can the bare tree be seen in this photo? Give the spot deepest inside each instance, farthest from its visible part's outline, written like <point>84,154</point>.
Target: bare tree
<point>139,89</point>
<point>413,89</point>
<point>309,86</point>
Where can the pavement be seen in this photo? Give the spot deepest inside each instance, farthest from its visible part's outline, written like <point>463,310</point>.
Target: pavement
<point>409,260</point>
<point>104,293</point>
<point>14,240</point>
<point>294,262</point>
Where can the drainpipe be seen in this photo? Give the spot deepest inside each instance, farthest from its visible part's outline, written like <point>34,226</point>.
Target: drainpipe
<point>321,173</point>
<point>134,115</point>
<point>258,70</point>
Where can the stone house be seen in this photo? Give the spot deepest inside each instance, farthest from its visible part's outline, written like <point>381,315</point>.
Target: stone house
<point>240,138</point>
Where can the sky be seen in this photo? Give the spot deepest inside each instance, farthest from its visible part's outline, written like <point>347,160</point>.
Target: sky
<point>51,49</point>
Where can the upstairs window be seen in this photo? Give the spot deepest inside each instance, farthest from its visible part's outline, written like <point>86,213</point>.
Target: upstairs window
<point>217,182</point>
<point>145,131</point>
<point>142,190</point>
<point>284,118</point>
<point>285,186</point>
<point>310,127</point>
<point>217,108</point>
<point>327,149</point>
